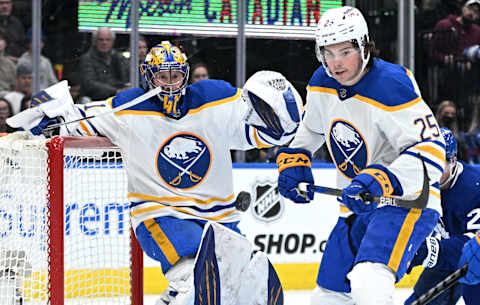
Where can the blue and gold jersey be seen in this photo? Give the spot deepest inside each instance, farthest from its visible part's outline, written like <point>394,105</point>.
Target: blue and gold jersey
<point>380,120</point>
<point>179,167</point>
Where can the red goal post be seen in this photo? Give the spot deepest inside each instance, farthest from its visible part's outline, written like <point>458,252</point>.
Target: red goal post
<point>65,234</point>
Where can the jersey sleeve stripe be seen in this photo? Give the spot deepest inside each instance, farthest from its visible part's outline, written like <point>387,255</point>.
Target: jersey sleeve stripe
<point>84,127</point>
<point>432,151</point>
<point>427,160</point>
<point>403,238</point>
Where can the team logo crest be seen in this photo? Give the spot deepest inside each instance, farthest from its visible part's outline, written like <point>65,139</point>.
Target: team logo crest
<point>348,147</point>
<point>183,161</point>
<point>267,203</point>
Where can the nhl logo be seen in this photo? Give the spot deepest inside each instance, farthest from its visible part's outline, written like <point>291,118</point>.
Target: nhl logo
<point>267,203</point>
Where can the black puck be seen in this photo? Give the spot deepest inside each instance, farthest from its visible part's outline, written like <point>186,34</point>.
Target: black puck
<point>242,203</point>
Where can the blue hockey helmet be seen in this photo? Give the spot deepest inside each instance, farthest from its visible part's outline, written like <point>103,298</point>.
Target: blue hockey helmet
<point>165,57</point>
<point>450,143</point>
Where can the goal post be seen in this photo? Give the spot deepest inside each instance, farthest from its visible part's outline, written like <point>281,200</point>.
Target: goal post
<point>65,234</point>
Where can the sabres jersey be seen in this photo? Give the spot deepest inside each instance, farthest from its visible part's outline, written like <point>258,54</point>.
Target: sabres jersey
<point>179,167</point>
<point>382,119</point>
<point>461,214</point>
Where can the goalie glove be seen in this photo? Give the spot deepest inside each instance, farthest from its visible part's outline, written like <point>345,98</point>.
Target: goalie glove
<point>48,107</point>
<point>274,106</point>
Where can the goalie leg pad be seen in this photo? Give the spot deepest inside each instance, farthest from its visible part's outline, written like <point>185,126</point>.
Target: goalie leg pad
<point>180,283</point>
<point>227,273</point>
<point>259,283</point>
<point>322,296</point>
<point>372,283</point>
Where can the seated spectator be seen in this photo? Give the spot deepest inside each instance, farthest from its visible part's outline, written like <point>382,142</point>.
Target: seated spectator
<point>45,69</point>
<point>22,89</point>
<point>14,29</point>
<point>75,84</point>
<point>5,112</point>
<point>104,70</point>
<point>7,67</point>
<point>199,71</point>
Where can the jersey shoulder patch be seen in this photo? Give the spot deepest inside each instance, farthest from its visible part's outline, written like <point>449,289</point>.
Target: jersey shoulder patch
<point>320,78</point>
<point>126,96</point>
<point>388,84</point>
<point>208,91</point>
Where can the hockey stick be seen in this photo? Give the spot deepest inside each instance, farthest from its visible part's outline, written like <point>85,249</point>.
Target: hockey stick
<point>419,203</point>
<point>135,101</point>
<point>448,282</point>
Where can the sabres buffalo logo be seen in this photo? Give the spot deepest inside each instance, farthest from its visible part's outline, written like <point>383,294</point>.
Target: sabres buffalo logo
<point>349,149</point>
<point>183,161</point>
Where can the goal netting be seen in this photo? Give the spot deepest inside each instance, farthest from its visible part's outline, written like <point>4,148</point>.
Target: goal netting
<point>65,235</point>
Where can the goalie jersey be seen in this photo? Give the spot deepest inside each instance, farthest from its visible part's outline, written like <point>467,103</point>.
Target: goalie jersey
<point>179,167</point>
<point>382,119</point>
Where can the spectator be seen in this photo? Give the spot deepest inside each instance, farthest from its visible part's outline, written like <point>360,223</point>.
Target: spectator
<point>142,49</point>
<point>5,112</point>
<point>456,33</point>
<point>75,83</point>
<point>22,89</point>
<point>104,70</point>
<point>46,74</point>
<point>7,66</point>
<point>14,29</point>
<point>446,116</point>
<point>199,72</point>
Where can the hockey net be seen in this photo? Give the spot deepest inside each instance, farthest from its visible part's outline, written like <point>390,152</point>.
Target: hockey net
<point>65,235</point>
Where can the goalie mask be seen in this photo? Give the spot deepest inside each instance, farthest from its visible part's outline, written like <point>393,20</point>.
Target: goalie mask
<point>451,150</point>
<point>166,66</point>
<point>339,25</point>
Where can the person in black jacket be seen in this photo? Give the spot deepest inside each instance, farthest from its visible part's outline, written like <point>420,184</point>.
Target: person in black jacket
<point>104,70</point>
<point>15,31</point>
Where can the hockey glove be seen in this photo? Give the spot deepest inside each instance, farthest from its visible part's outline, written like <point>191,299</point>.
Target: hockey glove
<point>294,167</point>
<point>427,254</point>
<point>376,180</point>
<point>274,106</point>
<point>44,123</point>
<point>471,255</point>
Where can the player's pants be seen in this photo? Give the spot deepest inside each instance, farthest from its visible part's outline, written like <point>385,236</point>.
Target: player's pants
<point>167,239</point>
<point>388,235</point>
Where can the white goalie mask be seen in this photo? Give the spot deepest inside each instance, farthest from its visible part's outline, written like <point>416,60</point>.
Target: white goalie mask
<point>339,25</point>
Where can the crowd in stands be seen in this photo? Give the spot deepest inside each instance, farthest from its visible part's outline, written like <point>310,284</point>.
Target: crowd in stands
<point>447,69</point>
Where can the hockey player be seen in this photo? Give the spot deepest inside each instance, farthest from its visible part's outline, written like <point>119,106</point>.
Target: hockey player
<point>176,147</point>
<point>378,130</point>
<point>440,253</point>
<point>471,281</point>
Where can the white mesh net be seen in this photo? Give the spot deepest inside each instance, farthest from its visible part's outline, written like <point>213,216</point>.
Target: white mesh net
<point>97,250</point>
